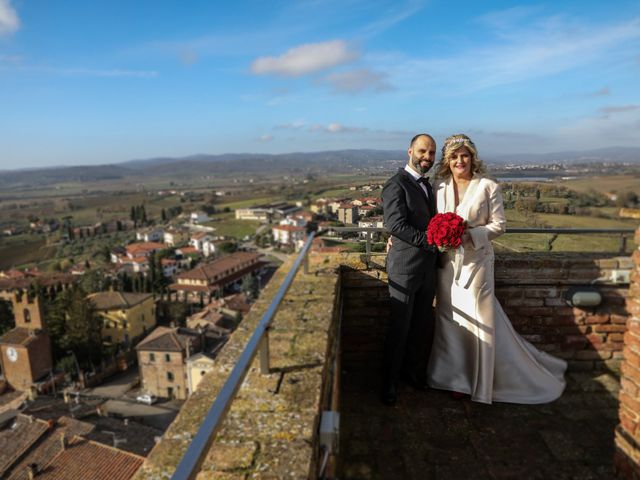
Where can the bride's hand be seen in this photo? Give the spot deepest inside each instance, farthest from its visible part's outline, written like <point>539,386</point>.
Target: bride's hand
<point>389,243</point>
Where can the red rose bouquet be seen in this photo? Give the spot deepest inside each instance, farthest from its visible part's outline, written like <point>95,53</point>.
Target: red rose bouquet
<point>445,231</point>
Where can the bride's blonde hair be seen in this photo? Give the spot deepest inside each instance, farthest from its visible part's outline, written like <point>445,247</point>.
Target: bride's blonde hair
<point>453,143</point>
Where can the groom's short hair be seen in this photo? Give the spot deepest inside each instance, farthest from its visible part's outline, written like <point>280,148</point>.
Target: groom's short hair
<point>413,140</point>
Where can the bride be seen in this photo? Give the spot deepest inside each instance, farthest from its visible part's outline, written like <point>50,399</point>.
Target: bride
<point>476,351</point>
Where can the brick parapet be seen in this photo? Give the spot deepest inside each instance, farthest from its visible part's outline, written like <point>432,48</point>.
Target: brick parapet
<point>627,436</point>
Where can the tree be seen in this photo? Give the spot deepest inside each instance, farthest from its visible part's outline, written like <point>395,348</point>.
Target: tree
<point>74,326</point>
<point>228,247</point>
<point>6,316</point>
<point>163,215</point>
<point>250,287</point>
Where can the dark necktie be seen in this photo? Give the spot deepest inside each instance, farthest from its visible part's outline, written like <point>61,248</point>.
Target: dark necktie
<point>424,180</point>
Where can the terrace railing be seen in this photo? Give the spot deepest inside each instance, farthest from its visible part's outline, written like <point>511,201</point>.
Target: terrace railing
<point>193,458</point>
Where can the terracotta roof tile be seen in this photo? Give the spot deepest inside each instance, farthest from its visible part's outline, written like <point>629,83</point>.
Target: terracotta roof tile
<point>117,300</point>
<point>18,439</point>
<point>84,459</point>
<point>17,336</point>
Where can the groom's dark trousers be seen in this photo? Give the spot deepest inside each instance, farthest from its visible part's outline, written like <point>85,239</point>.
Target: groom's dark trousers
<point>412,267</point>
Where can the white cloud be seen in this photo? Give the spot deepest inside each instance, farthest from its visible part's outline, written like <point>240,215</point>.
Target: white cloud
<point>619,109</point>
<point>358,81</point>
<point>527,51</point>
<point>305,59</point>
<point>265,138</point>
<point>9,21</point>
<point>618,125</point>
<point>295,125</point>
<point>602,92</point>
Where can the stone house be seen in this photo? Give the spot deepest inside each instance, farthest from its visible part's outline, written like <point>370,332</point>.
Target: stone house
<point>125,316</point>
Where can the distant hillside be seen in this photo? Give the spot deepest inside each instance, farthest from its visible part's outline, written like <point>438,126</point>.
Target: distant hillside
<point>602,155</point>
<point>48,176</point>
<point>337,161</point>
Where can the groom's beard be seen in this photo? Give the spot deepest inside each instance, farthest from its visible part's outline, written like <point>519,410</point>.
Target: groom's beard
<point>416,162</point>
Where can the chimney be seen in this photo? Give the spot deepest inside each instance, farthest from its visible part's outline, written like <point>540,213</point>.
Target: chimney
<point>63,441</point>
<point>32,470</point>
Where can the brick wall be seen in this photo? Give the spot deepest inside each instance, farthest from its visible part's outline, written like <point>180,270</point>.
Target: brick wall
<point>627,437</point>
<point>531,289</point>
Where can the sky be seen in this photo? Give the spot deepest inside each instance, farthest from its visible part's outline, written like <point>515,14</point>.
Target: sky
<point>109,81</point>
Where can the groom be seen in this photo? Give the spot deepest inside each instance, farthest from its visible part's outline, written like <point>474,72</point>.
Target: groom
<point>409,203</point>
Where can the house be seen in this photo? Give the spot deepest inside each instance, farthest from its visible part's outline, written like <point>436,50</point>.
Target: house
<point>289,235</point>
<point>199,217</point>
<point>125,316</point>
<point>371,222</point>
<point>150,235</point>
<point>259,213</point>
<point>203,281</point>
<point>162,359</point>
<point>82,458</point>
<point>174,236</point>
<point>296,220</point>
<point>170,267</point>
<point>143,249</point>
<point>203,242</point>
<point>266,212</point>
<point>197,367</point>
<point>347,213</point>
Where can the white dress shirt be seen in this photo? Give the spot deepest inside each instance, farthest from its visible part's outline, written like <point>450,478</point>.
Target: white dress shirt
<point>416,176</point>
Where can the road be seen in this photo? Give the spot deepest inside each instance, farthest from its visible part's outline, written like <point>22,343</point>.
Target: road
<point>116,386</point>
<point>158,415</point>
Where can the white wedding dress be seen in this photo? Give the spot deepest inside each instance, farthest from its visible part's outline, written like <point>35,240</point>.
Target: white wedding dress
<point>475,349</point>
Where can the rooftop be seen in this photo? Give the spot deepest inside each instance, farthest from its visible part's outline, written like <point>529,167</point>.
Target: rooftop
<point>117,300</point>
<point>17,336</point>
<point>167,339</point>
<point>223,265</point>
<point>84,459</point>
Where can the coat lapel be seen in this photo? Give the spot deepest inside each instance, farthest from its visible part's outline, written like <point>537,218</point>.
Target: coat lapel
<point>418,188</point>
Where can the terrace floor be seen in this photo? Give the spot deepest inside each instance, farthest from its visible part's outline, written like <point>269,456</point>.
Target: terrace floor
<point>430,435</point>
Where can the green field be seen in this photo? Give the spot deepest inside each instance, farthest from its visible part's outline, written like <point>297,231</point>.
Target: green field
<point>227,225</point>
<point>604,184</point>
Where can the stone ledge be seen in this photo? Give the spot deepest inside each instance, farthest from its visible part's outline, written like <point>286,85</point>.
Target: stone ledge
<point>270,429</point>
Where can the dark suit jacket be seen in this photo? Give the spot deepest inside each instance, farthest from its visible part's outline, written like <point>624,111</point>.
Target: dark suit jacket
<point>407,213</point>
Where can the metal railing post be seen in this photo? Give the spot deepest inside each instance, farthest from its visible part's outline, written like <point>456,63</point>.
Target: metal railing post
<point>623,243</point>
<point>265,369</point>
<point>368,245</point>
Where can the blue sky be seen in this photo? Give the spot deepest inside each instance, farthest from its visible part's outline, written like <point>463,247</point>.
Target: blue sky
<point>109,81</point>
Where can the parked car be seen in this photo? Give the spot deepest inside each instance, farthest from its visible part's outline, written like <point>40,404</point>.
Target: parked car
<point>147,398</point>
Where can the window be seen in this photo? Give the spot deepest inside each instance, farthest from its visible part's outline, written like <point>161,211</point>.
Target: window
<point>167,357</point>
<point>152,357</point>
<point>27,315</point>
<point>170,376</point>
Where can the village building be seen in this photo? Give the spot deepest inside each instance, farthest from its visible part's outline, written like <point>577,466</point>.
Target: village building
<point>268,212</point>
<point>152,234</point>
<point>126,317</point>
<point>162,360</point>
<point>347,213</point>
<point>199,217</point>
<point>202,282</point>
<point>203,242</point>
<point>289,236</point>
<point>25,351</point>
<point>370,222</point>
<point>59,450</point>
<point>174,236</point>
